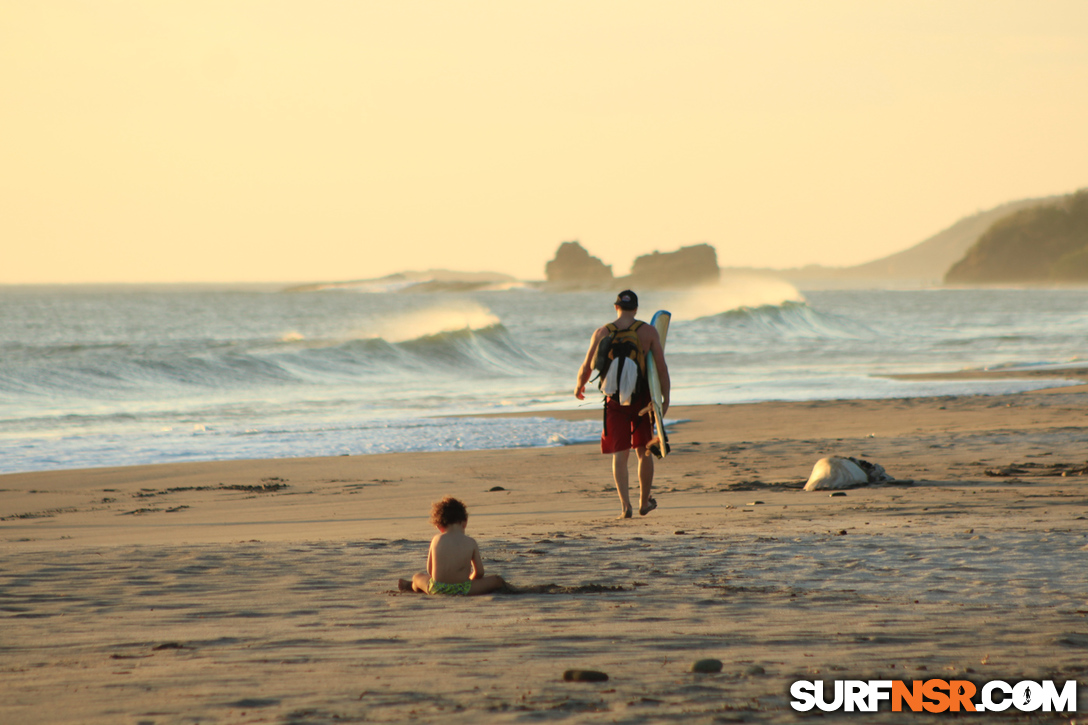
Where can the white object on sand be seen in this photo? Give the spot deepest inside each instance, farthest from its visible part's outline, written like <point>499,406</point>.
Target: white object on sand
<point>835,472</point>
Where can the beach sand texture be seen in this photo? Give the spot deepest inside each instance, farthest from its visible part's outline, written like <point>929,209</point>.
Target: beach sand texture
<point>265,591</point>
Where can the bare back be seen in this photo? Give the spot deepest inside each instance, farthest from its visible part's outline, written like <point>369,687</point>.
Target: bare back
<point>454,557</point>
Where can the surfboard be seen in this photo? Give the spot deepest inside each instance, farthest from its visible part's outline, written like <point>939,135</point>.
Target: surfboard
<point>659,444</point>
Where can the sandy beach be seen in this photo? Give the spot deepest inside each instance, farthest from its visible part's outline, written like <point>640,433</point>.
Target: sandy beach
<point>265,591</point>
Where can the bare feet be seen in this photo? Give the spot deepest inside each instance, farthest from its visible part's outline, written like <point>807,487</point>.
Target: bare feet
<point>625,515</point>
<point>651,504</point>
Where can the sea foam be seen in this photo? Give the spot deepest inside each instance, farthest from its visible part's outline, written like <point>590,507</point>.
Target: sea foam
<point>733,292</point>
<point>435,321</point>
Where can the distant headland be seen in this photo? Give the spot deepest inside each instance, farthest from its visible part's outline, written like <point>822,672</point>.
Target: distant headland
<point>1044,243</point>
<point>432,280</point>
<point>572,268</point>
<point>1028,241</point>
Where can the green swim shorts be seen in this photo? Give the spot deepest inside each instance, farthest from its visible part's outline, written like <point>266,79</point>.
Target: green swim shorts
<point>452,589</point>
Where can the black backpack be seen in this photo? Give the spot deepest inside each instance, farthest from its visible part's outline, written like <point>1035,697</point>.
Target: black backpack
<point>621,345</point>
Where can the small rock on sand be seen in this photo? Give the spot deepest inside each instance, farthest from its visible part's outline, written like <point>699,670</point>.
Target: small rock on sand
<point>584,676</point>
<point>1073,639</point>
<point>755,670</point>
<point>707,666</point>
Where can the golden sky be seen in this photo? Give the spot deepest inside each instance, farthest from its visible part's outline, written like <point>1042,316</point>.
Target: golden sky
<point>148,141</point>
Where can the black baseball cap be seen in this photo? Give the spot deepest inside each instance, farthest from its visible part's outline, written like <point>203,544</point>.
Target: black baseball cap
<point>627,300</point>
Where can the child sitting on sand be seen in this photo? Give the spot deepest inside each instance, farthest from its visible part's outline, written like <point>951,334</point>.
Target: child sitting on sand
<point>454,565</point>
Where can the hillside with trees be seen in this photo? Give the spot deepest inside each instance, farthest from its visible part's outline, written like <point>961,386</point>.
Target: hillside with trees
<point>926,262</point>
<point>1047,243</point>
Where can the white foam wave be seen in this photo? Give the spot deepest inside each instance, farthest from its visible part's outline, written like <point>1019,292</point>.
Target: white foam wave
<point>405,281</point>
<point>733,292</point>
<point>435,321</point>
<point>507,286</point>
<point>376,287</point>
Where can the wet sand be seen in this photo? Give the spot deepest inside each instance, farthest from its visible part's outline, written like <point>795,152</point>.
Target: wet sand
<point>265,591</point>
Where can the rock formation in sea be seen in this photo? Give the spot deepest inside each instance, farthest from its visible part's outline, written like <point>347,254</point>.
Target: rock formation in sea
<point>1047,243</point>
<point>574,266</point>
<point>686,267</point>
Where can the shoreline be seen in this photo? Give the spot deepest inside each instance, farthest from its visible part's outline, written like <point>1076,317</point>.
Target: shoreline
<point>551,435</point>
<point>201,591</point>
<point>1077,372</point>
<point>38,501</point>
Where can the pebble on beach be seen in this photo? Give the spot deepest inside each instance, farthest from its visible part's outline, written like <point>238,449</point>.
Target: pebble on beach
<point>584,676</point>
<point>707,666</point>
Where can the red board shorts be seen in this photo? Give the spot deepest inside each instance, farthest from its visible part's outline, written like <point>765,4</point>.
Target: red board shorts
<point>624,428</point>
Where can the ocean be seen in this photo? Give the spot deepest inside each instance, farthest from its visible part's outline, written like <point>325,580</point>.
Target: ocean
<point>119,375</point>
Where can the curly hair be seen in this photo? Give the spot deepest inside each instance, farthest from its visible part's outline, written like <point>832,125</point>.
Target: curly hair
<point>448,511</point>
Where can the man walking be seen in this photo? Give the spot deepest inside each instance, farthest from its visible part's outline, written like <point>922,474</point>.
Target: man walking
<point>624,427</point>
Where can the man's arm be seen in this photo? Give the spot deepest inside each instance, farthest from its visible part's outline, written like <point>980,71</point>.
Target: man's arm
<point>586,371</point>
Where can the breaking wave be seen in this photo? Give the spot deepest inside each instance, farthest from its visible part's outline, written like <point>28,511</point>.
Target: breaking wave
<point>434,321</point>
<point>442,345</point>
<point>733,292</point>
<point>789,320</point>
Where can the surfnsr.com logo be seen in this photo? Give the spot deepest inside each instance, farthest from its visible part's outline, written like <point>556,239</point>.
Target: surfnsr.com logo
<point>933,696</point>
